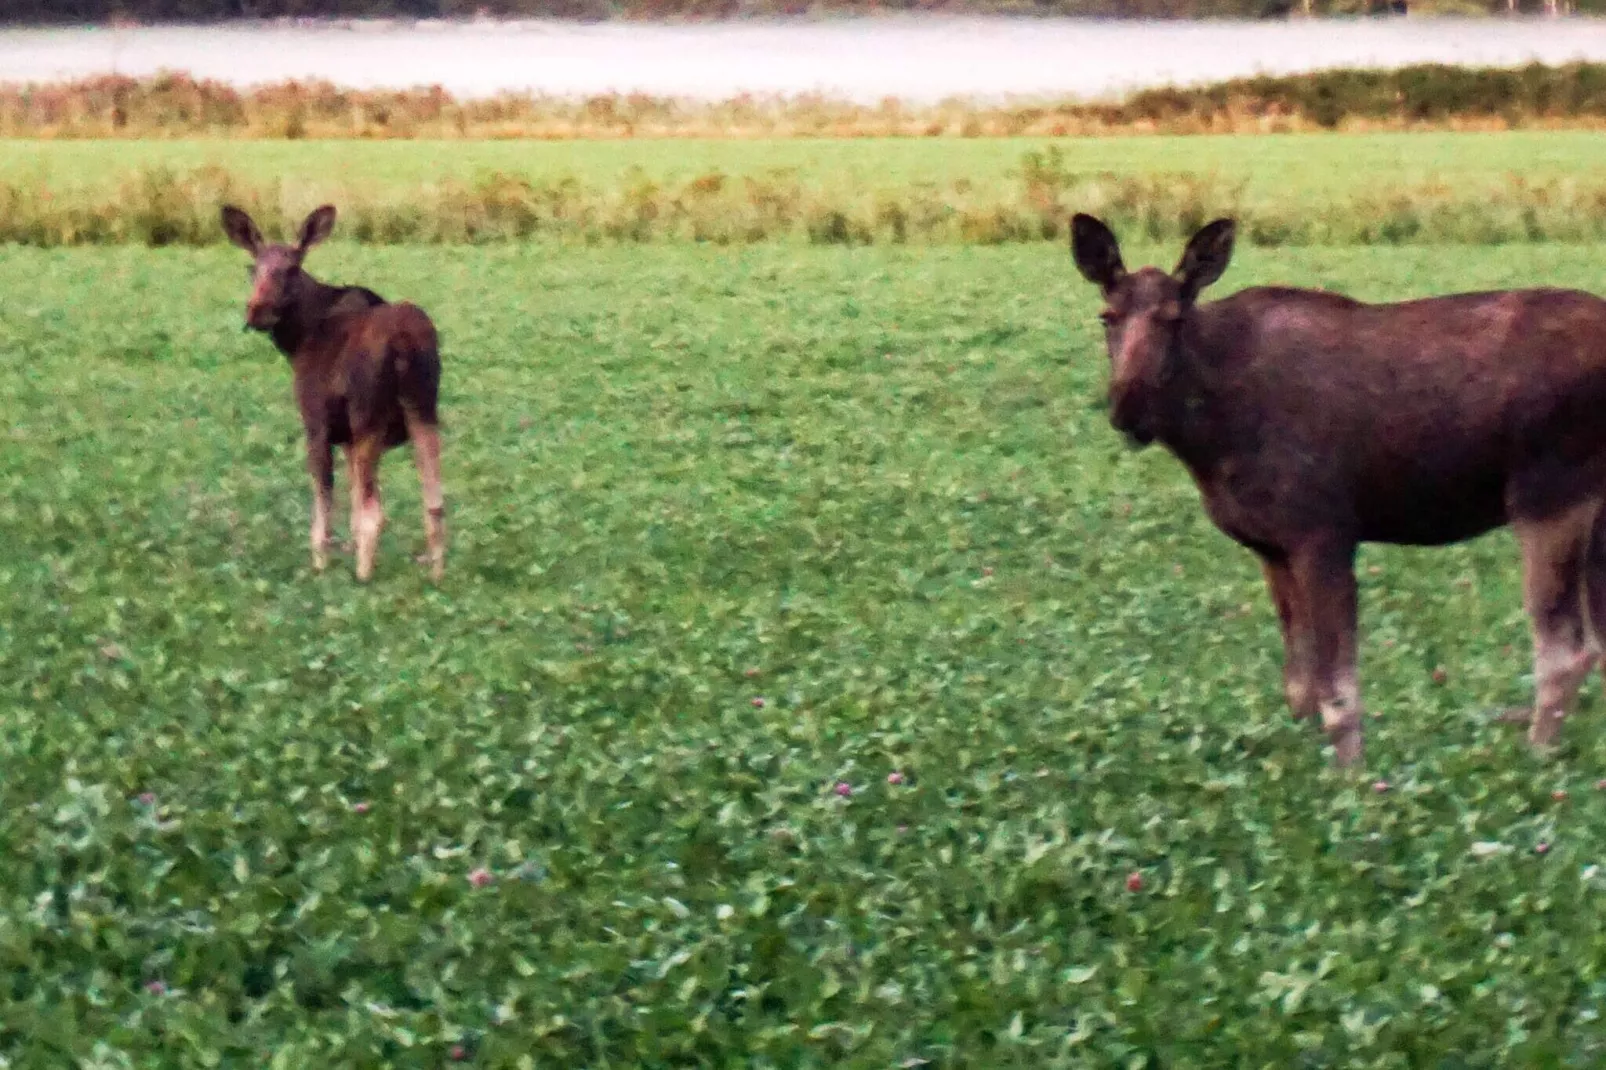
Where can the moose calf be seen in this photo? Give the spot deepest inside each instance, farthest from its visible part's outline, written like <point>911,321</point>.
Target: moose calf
<point>366,375</point>
<point>1312,422</point>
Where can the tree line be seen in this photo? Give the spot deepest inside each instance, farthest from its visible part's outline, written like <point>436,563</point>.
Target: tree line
<point>103,11</point>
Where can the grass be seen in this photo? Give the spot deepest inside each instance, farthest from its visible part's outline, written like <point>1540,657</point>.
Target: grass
<point>873,488</point>
<point>1309,167</point>
<point>1302,190</point>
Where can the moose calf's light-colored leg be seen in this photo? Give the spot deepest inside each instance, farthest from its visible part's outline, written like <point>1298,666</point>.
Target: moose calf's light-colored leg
<point>1554,552</point>
<point>426,440</point>
<point>1293,616</point>
<point>352,483</point>
<point>320,465</point>
<point>368,516</point>
<point>1325,575</point>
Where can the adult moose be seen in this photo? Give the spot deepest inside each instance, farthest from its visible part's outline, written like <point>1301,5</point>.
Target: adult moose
<point>366,374</point>
<point>1312,422</point>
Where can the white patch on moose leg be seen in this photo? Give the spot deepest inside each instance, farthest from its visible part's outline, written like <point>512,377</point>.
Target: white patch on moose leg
<point>427,454</point>
<point>1554,559</point>
<point>355,486</point>
<point>370,520</point>
<point>1299,686</point>
<point>436,534</point>
<point>1554,556</point>
<point>1559,670</point>
<point>1341,717</point>
<point>1300,695</point>
<point>320,531</point>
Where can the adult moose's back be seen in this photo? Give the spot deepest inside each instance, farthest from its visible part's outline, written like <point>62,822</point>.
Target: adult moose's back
<point>1312,422</point>
<point>366,373</point>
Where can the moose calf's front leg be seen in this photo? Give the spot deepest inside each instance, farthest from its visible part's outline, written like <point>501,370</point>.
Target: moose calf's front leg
<point>320,465</point>
<point>1325,575</point>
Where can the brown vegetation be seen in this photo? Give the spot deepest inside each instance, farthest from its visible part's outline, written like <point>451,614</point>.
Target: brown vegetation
<point>175,105</point>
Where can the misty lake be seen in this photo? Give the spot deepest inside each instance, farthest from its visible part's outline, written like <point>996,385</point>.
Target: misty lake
<point>916,57</point>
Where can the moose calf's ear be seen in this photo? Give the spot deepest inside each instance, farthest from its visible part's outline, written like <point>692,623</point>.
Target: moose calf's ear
<point>1097,253</point>
<point>317,226</point>
<point>240,228</point>
<point>1206,257</point>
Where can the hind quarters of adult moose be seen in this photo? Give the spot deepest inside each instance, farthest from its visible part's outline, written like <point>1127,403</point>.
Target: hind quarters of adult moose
<point>1312,422</point>
<point>367,377</point>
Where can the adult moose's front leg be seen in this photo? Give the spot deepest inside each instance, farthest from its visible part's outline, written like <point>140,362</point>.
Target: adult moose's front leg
<point>1554,552</point>
<point>1324,571</point>
<point>320,465</point>
<point>1293,616</point>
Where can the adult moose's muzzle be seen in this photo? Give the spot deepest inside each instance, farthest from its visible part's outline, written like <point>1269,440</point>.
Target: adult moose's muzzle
<point>260,317</point>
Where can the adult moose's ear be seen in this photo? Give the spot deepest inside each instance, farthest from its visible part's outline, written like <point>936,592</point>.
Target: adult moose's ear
<point>317,226</point>
<point>242,231</point>
<point>1097,253</point>
<point>1205,259</point>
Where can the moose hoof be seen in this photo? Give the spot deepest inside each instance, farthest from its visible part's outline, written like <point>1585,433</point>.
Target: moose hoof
<point>437,567</point>
<point>1348,749</point>
<point>1522,715</point>
<point>1542,732</point>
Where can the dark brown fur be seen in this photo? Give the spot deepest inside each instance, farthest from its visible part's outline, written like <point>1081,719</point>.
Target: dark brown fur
<point>1312,422</point>
<point>367,376</point>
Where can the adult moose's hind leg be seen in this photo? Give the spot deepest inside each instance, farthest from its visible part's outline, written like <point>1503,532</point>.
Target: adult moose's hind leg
<point>320,465</point>
<point>1293,616</point>
<point>1324,571</point>
<point>426,439</point>
<point>1595,586</point>
<point>367,516</point>
<point>1554,553</point>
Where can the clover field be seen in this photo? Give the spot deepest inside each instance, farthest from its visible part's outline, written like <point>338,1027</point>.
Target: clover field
<point>817,681</point>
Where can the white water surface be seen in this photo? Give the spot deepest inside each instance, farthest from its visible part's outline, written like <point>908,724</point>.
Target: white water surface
<point>918,58</point>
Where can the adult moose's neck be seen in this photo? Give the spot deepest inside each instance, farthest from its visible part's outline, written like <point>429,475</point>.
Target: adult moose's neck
<point>1193,412</point>
<point>309,305</point>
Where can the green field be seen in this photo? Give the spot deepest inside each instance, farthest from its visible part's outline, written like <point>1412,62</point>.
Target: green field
<point>1280,167</point>
<point>873,488</point>
<point>1297,190</point>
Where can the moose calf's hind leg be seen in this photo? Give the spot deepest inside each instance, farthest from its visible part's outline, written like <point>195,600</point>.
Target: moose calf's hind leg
<point>1553,559</point>
<point>352,483</point>
<point>368,518</point>
<point>427,453</point>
